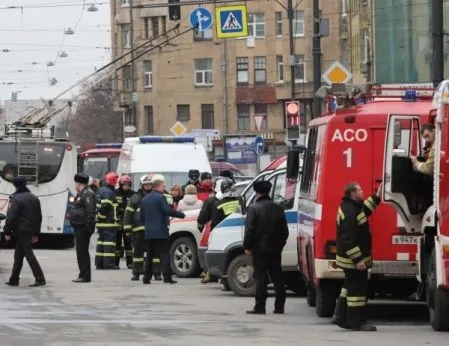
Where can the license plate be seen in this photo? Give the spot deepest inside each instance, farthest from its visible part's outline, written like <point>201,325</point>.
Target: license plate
<point>405,240</point>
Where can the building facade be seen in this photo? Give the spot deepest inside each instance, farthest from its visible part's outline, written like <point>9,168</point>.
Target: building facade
<point>403,40</point>
<point>210,83</point>
<point>356,33</point>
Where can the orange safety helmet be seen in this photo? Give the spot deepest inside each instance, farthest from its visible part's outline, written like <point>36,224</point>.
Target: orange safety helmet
<point>111,178</point>
<point>125,179</point>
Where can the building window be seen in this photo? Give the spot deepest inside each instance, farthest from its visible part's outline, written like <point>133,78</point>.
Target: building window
<point>154,26</point>
<point>256,25</point>
<point>366,47</point>
<point>260,69</point>
<point>163,25</point>
<point>278,20</point>
<point>126,35</point>
<point>243,117</point>
<point>127,78</point>
<point>207,116</point>
<point>203,72</point>
<point>125,2</point>
<point>148,73</point>
<point>183,112</point>
<point>205,35</point>
<point>149,120</point>
<point>242,70</point>
<point>279,68</point>
<point>300,68</point>
<point>262,109</point>
<point>298,23</point>
<point>344,7</point>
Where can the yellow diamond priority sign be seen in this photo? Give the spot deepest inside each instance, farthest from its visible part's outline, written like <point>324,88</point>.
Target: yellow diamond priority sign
<point>336,73</point>
<point>178,129</point>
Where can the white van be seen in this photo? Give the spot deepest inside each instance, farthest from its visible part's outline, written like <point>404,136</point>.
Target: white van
<point>171,156</point>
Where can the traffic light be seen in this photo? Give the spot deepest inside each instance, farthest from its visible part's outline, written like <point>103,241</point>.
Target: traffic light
<point>174,9</point>
<point>292,112</point>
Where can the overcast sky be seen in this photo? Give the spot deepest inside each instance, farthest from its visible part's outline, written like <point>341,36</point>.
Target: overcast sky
<point>35,36</point>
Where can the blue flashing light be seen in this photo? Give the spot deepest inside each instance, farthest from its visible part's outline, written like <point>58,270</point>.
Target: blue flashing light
<point>108,146</point>
<point>410,96</point>
<point>166,139</point>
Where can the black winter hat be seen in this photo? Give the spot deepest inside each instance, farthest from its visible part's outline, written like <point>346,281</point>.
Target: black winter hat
<point>81,178</point>
<point>19,181</point>
<point>194,173</point>
<point>262,187</point>
<point>206,175</point>
<point>227,174</point>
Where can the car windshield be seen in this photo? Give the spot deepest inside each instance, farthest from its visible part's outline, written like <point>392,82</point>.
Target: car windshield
<point>97,167</point>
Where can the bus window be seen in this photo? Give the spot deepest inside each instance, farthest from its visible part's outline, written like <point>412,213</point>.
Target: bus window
<point>50,160</point>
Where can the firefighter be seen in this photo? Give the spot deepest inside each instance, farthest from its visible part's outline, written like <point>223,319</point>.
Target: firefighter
<point>225,205</point>
<point>131,222</point>
<point>354,257</point>
<point>123,195</point>
<point>426,167</point>
<point>108,224</point>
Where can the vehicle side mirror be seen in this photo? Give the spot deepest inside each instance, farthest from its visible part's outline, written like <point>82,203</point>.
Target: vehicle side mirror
<point>2,217</point>
<point>293,164</point>
<point>243,208</point>
<point>397,134</point>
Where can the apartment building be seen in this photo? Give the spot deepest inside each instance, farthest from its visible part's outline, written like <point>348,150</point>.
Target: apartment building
<point>210,83</point>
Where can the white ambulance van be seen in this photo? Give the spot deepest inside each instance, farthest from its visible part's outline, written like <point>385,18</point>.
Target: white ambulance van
<point>172,157</point>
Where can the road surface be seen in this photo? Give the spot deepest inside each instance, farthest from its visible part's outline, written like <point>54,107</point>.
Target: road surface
<point>112,310</point>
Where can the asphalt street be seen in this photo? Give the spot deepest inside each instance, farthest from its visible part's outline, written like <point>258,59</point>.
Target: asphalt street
<point>112,310</point>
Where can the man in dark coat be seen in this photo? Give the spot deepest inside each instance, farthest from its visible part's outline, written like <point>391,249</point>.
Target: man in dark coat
<point>82,220</point>
<point>194,179</point>
<point>266,233</point>
<point>24,219</point>
<point>154,214</point>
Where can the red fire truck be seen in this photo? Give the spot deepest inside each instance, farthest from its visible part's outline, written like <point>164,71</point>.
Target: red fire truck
<point>348,146</point>
<point>422,201</point>
<point>104,158</point>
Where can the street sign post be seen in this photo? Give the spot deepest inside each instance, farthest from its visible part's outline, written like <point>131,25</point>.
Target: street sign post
<point>231,21</point>
<point>201,18</point>
<point>259,147</point>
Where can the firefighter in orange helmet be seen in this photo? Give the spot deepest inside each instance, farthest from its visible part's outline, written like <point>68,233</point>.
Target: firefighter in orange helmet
<point>123,195</point>
<point>108,223</point>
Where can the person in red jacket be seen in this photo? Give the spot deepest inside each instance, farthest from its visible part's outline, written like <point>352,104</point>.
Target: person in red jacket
<point>205,188</point>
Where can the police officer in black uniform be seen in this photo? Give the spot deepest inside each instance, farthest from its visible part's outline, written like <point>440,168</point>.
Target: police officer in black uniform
<point>82,220</point>
<point>266,233</point>
<point>354,257</point>
<point>24,219</point>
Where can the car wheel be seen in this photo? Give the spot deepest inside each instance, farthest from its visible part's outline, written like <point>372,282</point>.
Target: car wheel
<point>437,299</point>
<point>184,257</point>
<point>240,276</point>
<point>326,298</point>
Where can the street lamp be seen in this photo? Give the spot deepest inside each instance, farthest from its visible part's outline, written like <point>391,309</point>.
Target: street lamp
<point>50,64</point>
<point>63,55</point>
<point>69,31</point>
<point>92,8</point>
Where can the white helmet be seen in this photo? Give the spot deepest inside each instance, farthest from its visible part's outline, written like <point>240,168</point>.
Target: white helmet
<point>146,179</point>
<point>158,177</point>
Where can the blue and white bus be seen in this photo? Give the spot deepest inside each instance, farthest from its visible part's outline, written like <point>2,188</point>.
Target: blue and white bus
<point>56,167</point>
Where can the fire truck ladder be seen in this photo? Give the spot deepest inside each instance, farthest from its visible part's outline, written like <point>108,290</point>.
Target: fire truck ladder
<point>27,158</point>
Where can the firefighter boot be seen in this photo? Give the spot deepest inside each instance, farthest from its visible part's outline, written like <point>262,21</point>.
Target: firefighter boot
<point>135,277</point>
<point>206,279</point>
<point>339,317</point>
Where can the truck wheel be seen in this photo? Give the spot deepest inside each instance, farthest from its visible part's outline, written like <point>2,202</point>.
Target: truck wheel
<point>184,258</point>
<point>240,276</point>
<point>326,297</point>
<point>296,284</point>
<point>311,295</point>
<point>437,299</point>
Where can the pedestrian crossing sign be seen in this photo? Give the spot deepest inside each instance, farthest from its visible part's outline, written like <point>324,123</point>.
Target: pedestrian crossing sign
<point>231,21</point>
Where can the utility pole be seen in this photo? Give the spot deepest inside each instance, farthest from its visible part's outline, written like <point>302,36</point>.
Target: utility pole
<point>292,48</point>
<point>437,42</point>
<point>316,52</point>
